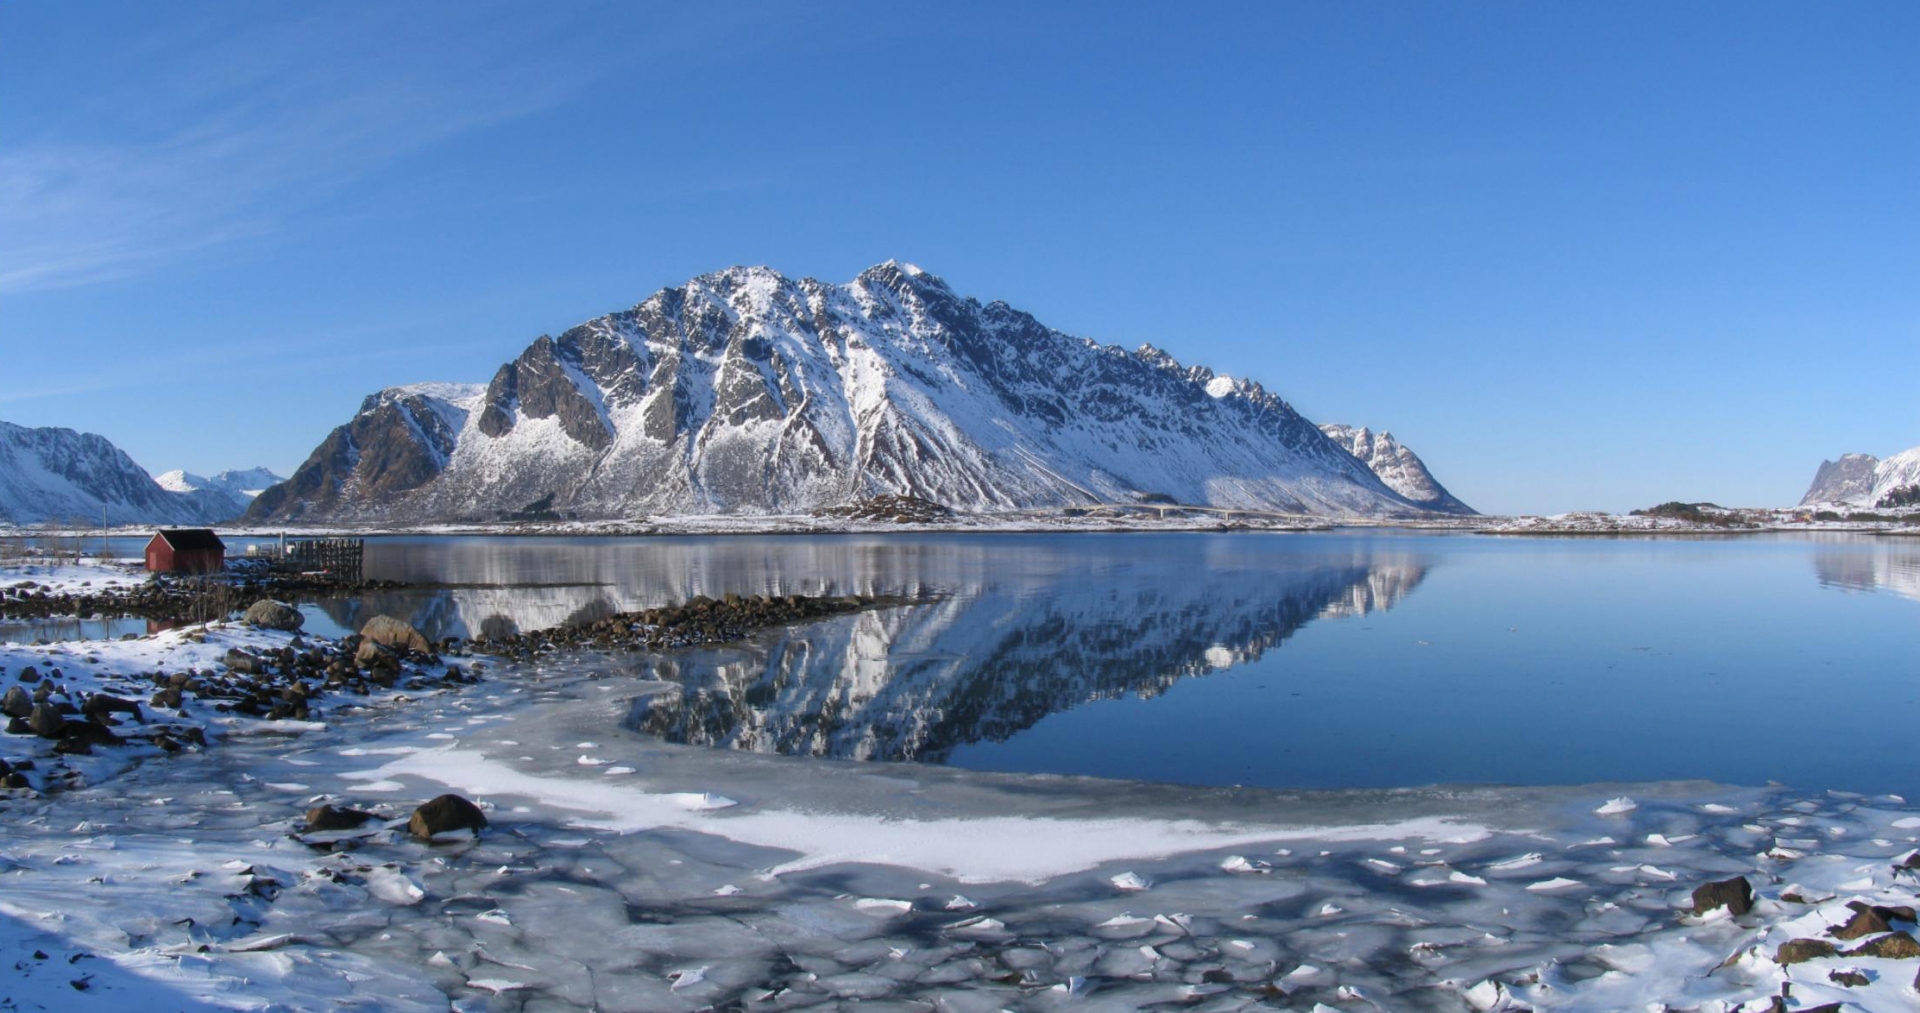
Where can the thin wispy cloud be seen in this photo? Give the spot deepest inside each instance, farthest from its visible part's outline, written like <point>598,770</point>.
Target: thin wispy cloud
<point>237,132</point>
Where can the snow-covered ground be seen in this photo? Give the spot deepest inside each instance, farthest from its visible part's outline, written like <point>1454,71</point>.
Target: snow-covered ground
<point>88,575</point>
<point>620,872</point>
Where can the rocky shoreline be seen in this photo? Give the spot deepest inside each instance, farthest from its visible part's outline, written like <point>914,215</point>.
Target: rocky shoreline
<point>71,699</point>
<point>700,622</point>
<point>169,598</point>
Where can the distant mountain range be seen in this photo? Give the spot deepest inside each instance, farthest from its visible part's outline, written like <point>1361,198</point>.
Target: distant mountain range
<point>1862,480</point>
<point>59,476</point>
<point>746,392</point>
<point>224,496</point>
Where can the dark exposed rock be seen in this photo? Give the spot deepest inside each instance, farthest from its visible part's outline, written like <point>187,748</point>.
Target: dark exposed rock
<point>899,509</point>
<point>1736,895</point>
<point>99,705</point>
<point>397,442</point>
<point>16,703</point>
<point>1849,978</point>
<point>47,721</point>
<point>1796,951</point>
<point>274,615</point>
<point>373,654</point>
<point>29,674</point>
<point>1866,921</point>
<point>444,814</point>
<point>1892,946</point>
<point>328,817</point>
<point>701,620</point>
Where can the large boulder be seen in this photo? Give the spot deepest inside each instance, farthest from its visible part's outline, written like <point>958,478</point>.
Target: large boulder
<point>47,722</point>
<point>444,814</point>
<point>274,615</point>
<point>1797,951</point>
<point>1892,946</point>
<point>1865,922</point>
<point>16,703</point>
<point>395,633</point>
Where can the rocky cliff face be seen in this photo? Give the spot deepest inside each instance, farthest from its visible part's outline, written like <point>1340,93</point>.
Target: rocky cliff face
<point>749,392</point>
<point>1843,481</point>
<point>1401,469</point>
<point>399,442</point>
<point>1861,480</point>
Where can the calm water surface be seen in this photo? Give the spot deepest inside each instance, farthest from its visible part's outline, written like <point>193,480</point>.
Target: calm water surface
<point>1319,660</point>
<point>1343,659</point>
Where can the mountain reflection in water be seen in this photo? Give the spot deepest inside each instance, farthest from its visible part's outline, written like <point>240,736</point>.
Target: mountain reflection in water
<point>997,656</point>
<point>1892,565</point>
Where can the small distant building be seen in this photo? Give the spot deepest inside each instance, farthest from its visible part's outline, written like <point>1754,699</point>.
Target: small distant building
<point>186,550</point>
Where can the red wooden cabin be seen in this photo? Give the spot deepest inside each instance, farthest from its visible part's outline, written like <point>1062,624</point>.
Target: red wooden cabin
<point>186,550</point>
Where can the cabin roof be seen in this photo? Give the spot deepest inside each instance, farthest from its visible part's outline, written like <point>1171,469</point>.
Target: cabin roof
<point>191,539</point>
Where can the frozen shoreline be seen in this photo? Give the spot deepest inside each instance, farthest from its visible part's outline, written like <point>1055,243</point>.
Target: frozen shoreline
<point>630,873</point>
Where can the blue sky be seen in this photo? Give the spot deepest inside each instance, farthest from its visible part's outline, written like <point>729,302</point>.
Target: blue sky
<point>1576,255</point>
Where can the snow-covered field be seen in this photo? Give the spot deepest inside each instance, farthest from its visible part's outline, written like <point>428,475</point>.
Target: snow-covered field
<point>623,873</point>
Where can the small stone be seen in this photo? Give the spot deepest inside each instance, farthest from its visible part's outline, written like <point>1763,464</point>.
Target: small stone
<point>448,812</point>
<point>1736,895</point>
<point>328,817</point>
<point>1795,951</point>
<point>1849,978</point>
<point>29,674</point>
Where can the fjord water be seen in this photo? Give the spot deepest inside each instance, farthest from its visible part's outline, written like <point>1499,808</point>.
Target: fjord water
<point>1322,660</point>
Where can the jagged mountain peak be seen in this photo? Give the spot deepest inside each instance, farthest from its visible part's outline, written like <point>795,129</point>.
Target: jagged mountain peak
<point>1847,480</point>
<point>1399,467</point>
<point>747,391</point>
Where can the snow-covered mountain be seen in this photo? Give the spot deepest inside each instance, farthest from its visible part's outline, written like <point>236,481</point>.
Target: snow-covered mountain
<point>1896,480</point>
<point>59,476</point>
<point>1843,481</point>
<point>748,392</point>
<point>248,482</point>
<point>1862,480</point>
<point>224,496</point>
<point>52,475</point>
<point>1400,468</point>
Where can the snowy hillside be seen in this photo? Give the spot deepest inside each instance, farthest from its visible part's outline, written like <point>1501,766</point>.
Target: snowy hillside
<point>1896,480</point>
<point>1401,469</point>
<point>53,475</point>
<point>749,392</point>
